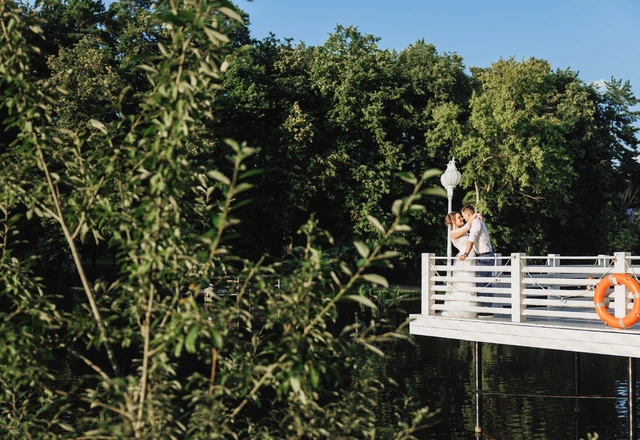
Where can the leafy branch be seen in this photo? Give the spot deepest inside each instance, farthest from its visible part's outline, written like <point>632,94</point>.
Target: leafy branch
<point>399,208</point>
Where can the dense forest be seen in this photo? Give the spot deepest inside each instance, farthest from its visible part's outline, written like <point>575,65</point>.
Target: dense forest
<point>162,138</point>
<point>550,159</point>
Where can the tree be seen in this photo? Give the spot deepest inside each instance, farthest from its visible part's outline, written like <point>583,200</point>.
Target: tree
<point>430,119</point>
<point>335,123</point>
<point>518,157</point>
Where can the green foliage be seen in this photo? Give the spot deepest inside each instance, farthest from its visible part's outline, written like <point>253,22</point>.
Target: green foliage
<point>538,162</point>
<point>265,359</point>
<point>336,123</point>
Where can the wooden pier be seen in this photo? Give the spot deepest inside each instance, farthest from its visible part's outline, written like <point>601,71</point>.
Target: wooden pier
<point>538,301</point>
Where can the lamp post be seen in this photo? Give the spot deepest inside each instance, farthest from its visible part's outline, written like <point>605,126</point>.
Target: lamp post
<point>450,179</point>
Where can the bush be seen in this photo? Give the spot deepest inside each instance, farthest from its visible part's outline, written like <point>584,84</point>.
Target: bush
<point>139,358</point>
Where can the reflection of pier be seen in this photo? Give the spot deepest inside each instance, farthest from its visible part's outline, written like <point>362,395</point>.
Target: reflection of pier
<point>544,302</point>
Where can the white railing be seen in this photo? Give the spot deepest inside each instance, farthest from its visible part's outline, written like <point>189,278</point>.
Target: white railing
<point>552,286</point>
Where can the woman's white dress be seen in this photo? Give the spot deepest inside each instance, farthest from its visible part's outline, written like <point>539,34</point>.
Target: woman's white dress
<point>460,288</point>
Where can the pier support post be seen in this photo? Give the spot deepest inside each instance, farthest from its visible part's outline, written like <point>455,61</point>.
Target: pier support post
<point>577,390</point>
<point>477,353</point>
<point>631,404</point>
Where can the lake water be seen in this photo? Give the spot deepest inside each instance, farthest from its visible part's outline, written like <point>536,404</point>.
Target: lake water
<point>441,372</point>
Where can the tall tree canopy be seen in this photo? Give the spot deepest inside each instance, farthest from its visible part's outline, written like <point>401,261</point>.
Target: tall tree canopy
<point>537,157</point>
<point>336,123</point>
<point>552,159</point>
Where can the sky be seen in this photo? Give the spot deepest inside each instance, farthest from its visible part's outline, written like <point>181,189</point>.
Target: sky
<point>598,39</point>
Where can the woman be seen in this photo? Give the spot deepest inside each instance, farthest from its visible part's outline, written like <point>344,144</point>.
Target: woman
<point>459,235</point>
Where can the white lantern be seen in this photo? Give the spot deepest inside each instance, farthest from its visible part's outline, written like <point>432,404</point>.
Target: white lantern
<point>451,177</point>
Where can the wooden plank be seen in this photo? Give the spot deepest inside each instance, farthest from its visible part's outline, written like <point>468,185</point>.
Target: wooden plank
<point>500,290</point>
<point>585,304</point>
<point>586,270</point>
<point>559,281</point>
<point>554,336</point>
<point>567,293</point>
<point>561,314</point>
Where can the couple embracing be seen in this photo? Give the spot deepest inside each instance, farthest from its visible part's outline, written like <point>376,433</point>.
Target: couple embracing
<point>474,246</point>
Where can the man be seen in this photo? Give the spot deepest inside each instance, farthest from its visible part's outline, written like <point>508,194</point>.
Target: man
<point>481,243</point>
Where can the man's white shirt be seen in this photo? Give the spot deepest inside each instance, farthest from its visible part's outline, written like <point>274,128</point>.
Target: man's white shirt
<point>479,236</point>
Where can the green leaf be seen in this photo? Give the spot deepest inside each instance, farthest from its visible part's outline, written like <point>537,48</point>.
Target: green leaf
<point>242,187</point>
<point>403,228</point>
<point>408,177</point>
<point>99,125</point>
<point>362,248</point>
<point>435,191</point>
<point>66,427</point>
<point>177,351</point>
<point>217,175</point>
<point>147,68</point>
<point>346,269</point>
<point>218,219</point>
<point>241,203</point>
<point>362,300</point>
<point>335,279</point>
<point>314,377</point>
<point>231,14</point>
<point>295,384</point>
<point>374,349</point>
<point>215,37</point>
<point>233,144</point>
<point>431,173</point>
<point>389,254</point>
<point>376,279</point>
<point>217,339</point>
<point>374,221</point>
<point>397,205</point>
<point>250,173</point>
<point>190,341</point>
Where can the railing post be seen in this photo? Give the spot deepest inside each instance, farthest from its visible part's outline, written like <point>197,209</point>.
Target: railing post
<point>497,261</point>
<point>426,288</point>
<point>602,260</point>
<point>620,291</point>
<point>517,287</point>
<point>553,261</point>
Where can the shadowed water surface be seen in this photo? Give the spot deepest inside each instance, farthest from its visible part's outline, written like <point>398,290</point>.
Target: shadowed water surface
<point>441,372</point>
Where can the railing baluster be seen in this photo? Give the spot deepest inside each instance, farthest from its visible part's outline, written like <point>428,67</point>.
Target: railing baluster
<point>427,286</point>
<point>620,292</point>
<point>553,261</point>
<point>517,288</point>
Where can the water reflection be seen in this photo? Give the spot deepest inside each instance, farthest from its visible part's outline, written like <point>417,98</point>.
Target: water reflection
<point>441,372</point>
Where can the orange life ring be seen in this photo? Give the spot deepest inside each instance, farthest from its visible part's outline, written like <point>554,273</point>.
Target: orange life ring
<point>601,308</point>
